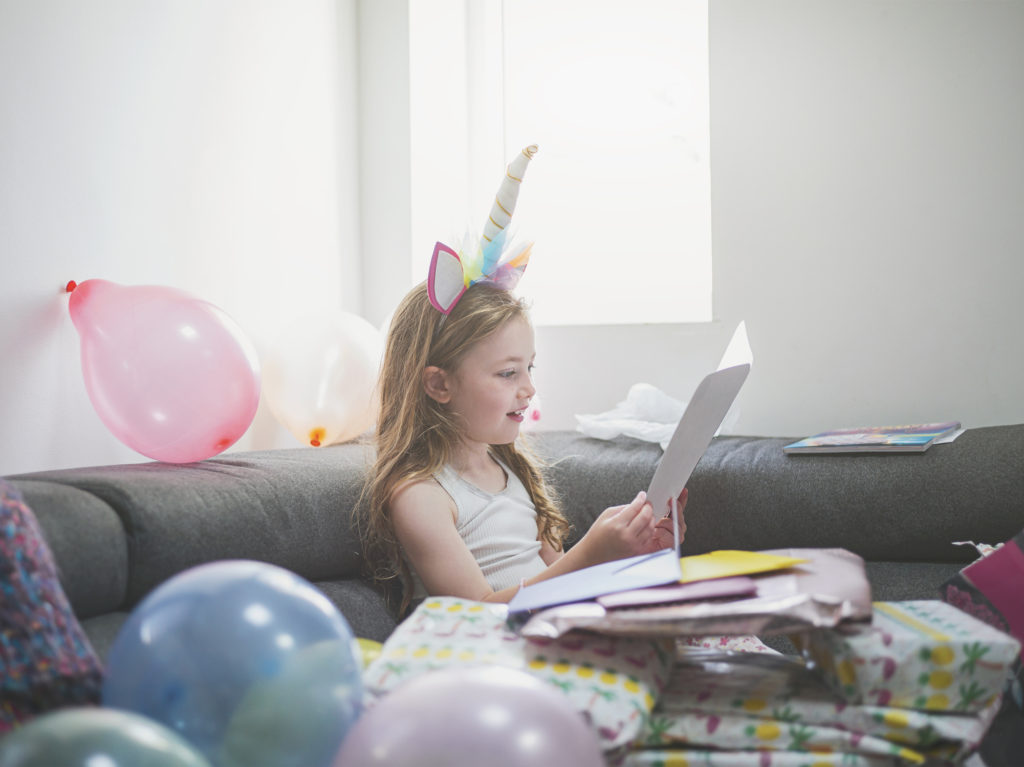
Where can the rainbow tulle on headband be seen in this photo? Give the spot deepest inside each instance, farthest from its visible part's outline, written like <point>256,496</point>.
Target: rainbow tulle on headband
<point>488,259</point>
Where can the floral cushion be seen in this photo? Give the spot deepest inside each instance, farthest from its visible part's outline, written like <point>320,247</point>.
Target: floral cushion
<point>46,660</point>
<point>615,682</point>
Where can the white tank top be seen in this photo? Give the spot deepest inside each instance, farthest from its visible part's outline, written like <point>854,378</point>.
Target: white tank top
<point>500,529</point>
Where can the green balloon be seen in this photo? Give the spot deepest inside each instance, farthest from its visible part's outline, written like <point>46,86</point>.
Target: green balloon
<point>299,717</point>
<point>83,737</point>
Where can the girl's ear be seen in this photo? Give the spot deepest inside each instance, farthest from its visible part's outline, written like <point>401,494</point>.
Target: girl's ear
<point>436,385</point>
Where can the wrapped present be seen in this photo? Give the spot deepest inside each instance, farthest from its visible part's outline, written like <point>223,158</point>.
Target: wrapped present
<point>917,655</point>
<point>990,587</point>
<point>754,701</point>
<point>737,731</point>
<point>684,757</point>
<point>990,590</point>
<point>614,681</point>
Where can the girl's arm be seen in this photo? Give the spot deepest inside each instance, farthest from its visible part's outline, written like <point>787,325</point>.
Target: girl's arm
<point>549,553</point>
<point>424,517</point>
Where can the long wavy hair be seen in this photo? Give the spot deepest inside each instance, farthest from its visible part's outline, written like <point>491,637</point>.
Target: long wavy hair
<point>416,436</point>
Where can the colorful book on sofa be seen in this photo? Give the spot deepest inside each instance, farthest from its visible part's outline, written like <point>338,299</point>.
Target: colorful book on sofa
<point>912,438</point>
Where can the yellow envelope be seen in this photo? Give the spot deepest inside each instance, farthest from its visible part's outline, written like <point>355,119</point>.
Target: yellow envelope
<point>721,564</point>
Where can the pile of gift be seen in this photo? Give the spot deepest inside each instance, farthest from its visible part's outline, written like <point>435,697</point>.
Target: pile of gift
<point>920,685</point>
<point>882,684</point>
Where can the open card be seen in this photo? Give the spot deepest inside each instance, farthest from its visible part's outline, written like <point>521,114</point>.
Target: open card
<point>697,427</point>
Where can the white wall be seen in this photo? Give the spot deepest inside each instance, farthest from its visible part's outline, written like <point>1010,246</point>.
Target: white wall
<point>867,171</point>
<point>385,197</point>
<point>209,146</point>
<point>867,177</point>
<point>867,189</point>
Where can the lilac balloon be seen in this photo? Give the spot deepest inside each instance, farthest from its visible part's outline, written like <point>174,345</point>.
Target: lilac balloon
<point>472,716</point>
<point>170,375</point>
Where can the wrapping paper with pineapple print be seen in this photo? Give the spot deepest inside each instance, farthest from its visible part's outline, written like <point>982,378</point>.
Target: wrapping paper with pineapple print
<point>614,681</point>
<point>922,654</point>
<point>759,701</point>
<point>696,757</point>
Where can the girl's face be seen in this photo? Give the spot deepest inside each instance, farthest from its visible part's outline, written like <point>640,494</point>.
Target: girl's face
<point>493,384</point>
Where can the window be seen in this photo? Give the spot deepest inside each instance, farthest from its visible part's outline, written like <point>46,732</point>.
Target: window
<point>618,198</point>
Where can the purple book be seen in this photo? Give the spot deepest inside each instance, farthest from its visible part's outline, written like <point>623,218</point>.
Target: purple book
<point>736,586</point>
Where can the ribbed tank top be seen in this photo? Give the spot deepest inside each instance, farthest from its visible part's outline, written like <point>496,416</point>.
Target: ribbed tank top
<point>500,529</point>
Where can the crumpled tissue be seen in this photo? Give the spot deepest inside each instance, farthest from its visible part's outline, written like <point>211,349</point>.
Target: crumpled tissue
<point>647,414</point>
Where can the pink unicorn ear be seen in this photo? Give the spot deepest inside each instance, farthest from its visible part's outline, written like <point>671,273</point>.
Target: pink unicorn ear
<point>445,281</point>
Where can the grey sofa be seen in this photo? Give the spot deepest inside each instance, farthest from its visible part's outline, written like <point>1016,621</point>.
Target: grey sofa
<point>119,531</point>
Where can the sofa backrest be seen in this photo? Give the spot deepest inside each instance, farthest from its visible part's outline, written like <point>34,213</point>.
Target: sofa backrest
<point>747,494</point>
<point>119,531</point>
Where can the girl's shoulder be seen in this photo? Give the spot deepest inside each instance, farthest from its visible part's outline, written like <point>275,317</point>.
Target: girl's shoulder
<point>421,496</point>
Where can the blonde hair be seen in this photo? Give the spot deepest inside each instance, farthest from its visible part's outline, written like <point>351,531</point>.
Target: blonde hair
<point>416,436</point>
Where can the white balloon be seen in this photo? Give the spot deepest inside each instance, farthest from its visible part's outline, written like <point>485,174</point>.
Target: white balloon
<point>320,377</point>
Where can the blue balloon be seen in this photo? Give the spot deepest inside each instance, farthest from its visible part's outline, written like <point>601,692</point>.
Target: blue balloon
<point>247,661</point>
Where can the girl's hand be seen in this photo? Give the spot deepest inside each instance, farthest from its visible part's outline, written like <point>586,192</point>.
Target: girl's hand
<point>621,531</point>
<point>663,537</point>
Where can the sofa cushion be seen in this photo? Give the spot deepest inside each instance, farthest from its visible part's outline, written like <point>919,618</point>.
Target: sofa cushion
<point>363,607</point>
<point>902,581</point>
<point>45,659</point>
<point>102,631</point>
<point>87,540</point>
<point>291,508</point>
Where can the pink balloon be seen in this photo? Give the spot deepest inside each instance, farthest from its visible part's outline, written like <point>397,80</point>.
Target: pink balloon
<point>172,376</point>
<point>471,716</point>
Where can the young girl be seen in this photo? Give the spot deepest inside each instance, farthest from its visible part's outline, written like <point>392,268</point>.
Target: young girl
<point>456,505</point>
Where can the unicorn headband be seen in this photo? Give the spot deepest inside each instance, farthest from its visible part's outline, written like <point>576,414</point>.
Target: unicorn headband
<point>487,260</point>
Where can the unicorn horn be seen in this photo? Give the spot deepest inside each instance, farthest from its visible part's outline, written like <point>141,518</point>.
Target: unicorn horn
<point>508,193</point>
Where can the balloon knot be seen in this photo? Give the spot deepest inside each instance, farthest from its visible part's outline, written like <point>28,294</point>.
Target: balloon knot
<point>314,442</point>
<point>70,286</point>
